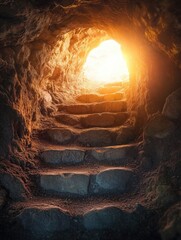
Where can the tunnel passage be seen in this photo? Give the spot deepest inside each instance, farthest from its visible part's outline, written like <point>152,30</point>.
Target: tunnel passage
<point>89,162</point>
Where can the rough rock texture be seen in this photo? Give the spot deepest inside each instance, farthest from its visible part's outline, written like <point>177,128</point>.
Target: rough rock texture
<point>115,154</point>
<point>160,137</point>
<point>171,222</point>
<point>103,138</point>
<point>159,127</point>
<point>3,197</point>
<point>68,183</point>
<point>66,156</point>
<point>125,135</point>
<point>43,45</point>
<point>172,107</point>
<point>112,181</point>
<point>47,221</point>
<point>15,186</point>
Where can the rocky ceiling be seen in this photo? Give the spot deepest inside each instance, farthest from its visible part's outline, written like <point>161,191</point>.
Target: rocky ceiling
<point>25,21</point>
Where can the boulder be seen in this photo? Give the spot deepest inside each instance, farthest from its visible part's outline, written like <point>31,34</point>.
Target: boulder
<point>172,107</point>
<point>159,127</point>
<point>170,223</point>
<point>101,219</point>
<point>127,223</point>
<point>42,222</point>
<point>15,187</point>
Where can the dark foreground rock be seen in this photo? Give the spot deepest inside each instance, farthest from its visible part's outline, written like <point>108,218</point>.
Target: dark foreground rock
<point>15,187</point>
<point>172,107</point>
<point>3,197</point>
<point>43,222</point>
<point>171,223</point>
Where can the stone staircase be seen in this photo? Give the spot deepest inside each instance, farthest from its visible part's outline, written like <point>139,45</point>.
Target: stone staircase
<point>86,173</point>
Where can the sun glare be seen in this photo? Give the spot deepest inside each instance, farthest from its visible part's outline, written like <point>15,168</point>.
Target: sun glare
<point>106,64</point>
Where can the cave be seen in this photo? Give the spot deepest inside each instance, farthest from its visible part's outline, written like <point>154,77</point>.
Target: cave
<point>90,134</point>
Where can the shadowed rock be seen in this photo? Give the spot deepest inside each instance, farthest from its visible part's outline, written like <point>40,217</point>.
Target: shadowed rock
<point>3,197</point>
<point>112,181</point>
<point>106,218</point>
<point>75,183</point>
<point>172,107</point>
<point>66,156</point>
<point>159,127</point>
<point>15,186</point>
<point>43,221</point>
<point>60,135</point>
<point>125,135</point>
<point>95,138</point>
<point>115,154</point>
<point>64,183</point>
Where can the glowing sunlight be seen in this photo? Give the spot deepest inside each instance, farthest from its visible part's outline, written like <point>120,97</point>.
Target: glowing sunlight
<point>106,64</point>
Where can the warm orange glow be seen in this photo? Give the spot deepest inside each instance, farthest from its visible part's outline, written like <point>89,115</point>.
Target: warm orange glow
<point>106,64</point>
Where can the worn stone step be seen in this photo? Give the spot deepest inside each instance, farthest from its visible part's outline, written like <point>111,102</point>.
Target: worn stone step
<point>38,220</point>
<point>104,137</point>
<point>93,137</point>
<point>113,155</point>
<point>110,84</point>
<point>108,106</point>
<point>59,157</point>
<point>121,154</point>
<point>90,98</point>
<point>54,219</point>
<point>84,181</point>
<point>93,120</point>
<point>109,89</point>
<point>120,84</point>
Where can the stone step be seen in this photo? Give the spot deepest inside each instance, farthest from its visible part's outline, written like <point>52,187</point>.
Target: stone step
<point>84,181</point>
<point>109,89</point>
<point>108,106</point>
<point>94,137</point>
<point>120,84</point>
<point>54,219</point>
<point>113,155</point>
<point>93,120</point>
<point>92,97</point>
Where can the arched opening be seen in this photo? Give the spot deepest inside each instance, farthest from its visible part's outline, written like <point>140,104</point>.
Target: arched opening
<point>105,64</point>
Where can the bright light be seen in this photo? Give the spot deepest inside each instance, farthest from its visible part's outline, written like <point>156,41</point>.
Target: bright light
<point>106,64</point>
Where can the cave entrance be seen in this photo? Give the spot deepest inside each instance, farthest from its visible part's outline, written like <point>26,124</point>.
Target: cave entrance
<point>105,64</point>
